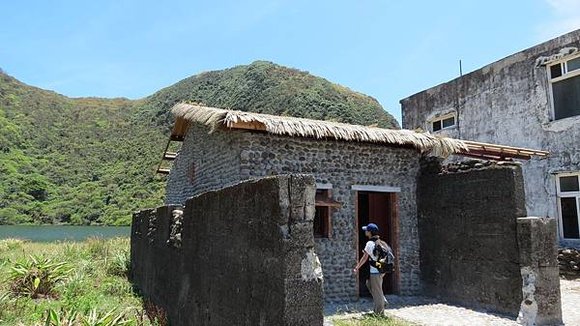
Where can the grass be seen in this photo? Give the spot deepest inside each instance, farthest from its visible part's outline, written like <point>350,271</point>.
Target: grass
<point>68,283</point>
<point>85,283</point>
<point>370,321</point>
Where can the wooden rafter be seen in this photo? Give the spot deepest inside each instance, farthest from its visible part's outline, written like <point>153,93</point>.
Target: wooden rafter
<point>179,129</point>
<point>500,152</point>
<point>167,156</point>
<point>170,156</point>
<point>254,125</point>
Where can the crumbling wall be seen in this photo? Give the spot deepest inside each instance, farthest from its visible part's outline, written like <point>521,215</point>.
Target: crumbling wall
<point>477,250</point>
<point>243,255</point>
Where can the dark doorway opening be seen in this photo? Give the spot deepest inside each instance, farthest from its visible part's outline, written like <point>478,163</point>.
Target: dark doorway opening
<point>379,208</point>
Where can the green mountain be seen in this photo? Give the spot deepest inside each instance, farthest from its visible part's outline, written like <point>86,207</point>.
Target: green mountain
<point>93,160</point>
<point>76,161</point>
<point>265,87</point>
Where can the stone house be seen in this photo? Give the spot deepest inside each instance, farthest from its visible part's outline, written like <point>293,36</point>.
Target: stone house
<point>528,99</point>
<point>363,174</point>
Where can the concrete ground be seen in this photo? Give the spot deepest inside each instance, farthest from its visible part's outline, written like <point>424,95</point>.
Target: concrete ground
<point>425,311</point>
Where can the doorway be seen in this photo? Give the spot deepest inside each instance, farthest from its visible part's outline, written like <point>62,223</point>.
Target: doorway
<point>379,208</point>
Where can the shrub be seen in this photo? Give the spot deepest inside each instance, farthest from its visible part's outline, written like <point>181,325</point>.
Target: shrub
<point>119,264</point>
<point>5,301</point>
<point>93,318</point>
<point>114,286</point>
<point>97,247</point>
<point>110,318</point>
<point>61,318</point>
<point>37,277</point>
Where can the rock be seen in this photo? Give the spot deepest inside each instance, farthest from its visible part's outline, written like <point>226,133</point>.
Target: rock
<point>569,259</point>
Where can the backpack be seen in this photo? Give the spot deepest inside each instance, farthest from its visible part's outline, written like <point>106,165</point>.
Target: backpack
<point>385,262</point>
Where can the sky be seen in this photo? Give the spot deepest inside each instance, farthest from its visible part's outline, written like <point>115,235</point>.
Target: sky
<point>386,49</point>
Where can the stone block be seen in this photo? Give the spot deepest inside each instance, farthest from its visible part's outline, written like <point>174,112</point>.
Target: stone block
<point>540,272</point>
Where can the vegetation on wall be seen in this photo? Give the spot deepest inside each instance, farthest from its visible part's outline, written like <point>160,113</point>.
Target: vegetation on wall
<point>92,160</point>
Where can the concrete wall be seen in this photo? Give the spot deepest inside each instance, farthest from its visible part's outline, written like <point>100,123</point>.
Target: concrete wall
<point>234,263</point>
<point>508,102</point>
<point>541,304</point>
<point>341,164</point>
<point>475,250</point>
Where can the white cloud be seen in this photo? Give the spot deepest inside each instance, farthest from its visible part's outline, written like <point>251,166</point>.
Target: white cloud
<point>564,17</point>
<point>564,6</point>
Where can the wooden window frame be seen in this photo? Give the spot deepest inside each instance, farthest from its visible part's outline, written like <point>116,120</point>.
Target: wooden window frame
<point>191,173</point>
<point>325,201</point>
<point>567,194</point>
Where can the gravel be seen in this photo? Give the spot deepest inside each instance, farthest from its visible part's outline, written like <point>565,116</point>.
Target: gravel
<point>426,311</point>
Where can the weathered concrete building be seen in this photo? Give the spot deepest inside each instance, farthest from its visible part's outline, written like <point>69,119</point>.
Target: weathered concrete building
<point>529,99</point>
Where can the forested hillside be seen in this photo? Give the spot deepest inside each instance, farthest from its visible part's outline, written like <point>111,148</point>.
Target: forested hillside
<point>265,87</point>
<point>78,161</point>
<point>92,160</point>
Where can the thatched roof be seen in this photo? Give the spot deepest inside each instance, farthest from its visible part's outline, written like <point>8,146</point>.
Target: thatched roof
<point>298,127</point>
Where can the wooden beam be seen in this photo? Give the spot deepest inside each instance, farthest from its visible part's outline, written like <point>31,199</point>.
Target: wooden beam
<point>328,203</point>
<point>395,239</point>
<point>179,129</point>
<point>496,155</point>
<point>163,171</point>
<point>164,151</point>
<point>254,125</point>
<point>169,156</point>
<point>499,154</point>
<point>502,148</point>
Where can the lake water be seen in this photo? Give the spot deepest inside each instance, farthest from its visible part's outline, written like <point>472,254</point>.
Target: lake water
<point>49,233</point>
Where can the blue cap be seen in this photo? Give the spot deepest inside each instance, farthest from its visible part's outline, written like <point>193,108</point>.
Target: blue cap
<point>371,227</point>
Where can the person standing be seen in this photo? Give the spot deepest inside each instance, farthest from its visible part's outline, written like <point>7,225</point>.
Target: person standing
<point>375,281</point>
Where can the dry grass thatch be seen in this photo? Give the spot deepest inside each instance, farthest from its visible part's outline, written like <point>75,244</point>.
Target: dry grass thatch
<point>298,127</point>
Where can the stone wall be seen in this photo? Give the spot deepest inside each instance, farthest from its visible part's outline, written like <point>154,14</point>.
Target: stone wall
<point>243,255</point>
<point>205,162</point>
<point>344,164</point>
<point>508,102</point>
<point>475,249</point>
<point>341,164</point>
